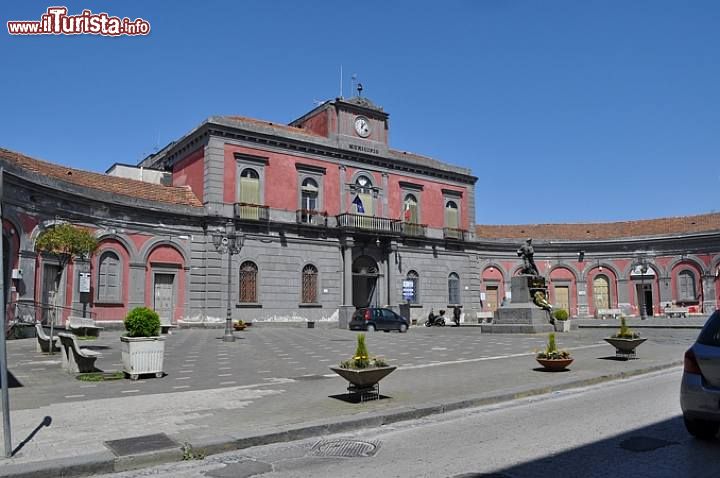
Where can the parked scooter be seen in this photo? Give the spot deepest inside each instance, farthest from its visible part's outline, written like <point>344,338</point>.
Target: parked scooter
<point>435,320</point>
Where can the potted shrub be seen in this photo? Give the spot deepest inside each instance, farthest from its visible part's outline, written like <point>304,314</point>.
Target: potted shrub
<point>143,348</point>
<point>625,341</point>
<point>552,358</point>
<point>561,320</point>
<point>363,371</point>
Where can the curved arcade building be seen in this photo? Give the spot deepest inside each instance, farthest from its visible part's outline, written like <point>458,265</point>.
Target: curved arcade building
<point>325,217</point>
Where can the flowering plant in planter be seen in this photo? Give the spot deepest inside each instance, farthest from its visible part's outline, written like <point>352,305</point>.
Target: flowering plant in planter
<point>551,352</point>
<point>362,359</point>
<point>625,332</point>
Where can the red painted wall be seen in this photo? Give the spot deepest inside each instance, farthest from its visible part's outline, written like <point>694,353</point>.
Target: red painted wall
<point>432,206</point>
<point>139,240</point>
<point>165,254</point>
<point>318,123</point>
<point>191,172</point>
<point>281,179</point>
<point>110,311</point>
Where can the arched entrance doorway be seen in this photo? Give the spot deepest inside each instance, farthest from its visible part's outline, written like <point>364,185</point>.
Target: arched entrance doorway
<point>365,280</point>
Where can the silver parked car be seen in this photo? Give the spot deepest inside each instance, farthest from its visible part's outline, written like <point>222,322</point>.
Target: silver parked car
<point>700,389</point>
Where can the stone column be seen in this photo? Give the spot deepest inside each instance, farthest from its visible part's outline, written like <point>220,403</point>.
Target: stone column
<point>382,286</point>
<point>346,309</point>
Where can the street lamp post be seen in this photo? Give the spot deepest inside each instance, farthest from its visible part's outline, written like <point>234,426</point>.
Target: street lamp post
<point>231,243</point>
<point>643,270</point>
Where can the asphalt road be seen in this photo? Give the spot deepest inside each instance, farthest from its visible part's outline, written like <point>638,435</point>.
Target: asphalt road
<point>198,359</point>
<point>626,428</point>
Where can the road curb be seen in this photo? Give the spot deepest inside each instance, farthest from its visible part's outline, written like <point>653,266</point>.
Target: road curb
<point>106,462</point>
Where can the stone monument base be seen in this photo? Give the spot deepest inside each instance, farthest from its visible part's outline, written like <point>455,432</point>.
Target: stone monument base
<point>522,316</point>
<point>519,319</point>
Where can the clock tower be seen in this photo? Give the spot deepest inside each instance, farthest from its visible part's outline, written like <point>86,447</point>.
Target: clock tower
<point>355,123</point>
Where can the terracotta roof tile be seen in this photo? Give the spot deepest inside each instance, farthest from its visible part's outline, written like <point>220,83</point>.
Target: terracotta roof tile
<point>181,196</point>
<point>603,230</point>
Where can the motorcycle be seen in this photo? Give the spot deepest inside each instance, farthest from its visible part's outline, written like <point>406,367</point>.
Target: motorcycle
<point>437,320</point>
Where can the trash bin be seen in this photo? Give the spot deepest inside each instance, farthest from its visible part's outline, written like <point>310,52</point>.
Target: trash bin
<point>311,325</point>
<point>405,311</point>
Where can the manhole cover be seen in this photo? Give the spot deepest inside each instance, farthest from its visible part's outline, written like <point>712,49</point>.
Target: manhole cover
<point>642,444</point>
<point>345,448</point>
<point>141,444</point>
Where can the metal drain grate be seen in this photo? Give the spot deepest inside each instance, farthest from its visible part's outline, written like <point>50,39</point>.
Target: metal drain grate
<point>345,448</point>
<point>141,444</point>
<point>641,444</point>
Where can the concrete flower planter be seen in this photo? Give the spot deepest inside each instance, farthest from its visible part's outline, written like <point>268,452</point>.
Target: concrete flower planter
<point>363,378</point>
<point>562,325</point>
<point>625,347</point>
<point>555,365</point>
<point>142,355</point>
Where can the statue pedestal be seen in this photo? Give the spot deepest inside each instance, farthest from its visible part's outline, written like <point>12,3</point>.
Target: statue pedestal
<point>522,316</point>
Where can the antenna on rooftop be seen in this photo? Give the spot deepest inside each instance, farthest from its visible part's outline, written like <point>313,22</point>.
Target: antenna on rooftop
<point>341,81</point>
<point>353,80</point>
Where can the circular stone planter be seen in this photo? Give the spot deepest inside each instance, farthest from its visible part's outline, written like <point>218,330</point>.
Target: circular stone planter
<point>555,365</point>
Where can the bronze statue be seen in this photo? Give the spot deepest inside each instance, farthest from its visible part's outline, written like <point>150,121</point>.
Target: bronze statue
<point>526,251</point>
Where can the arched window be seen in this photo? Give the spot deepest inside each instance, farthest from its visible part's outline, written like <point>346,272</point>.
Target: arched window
<point>686,286</point>
<point>453,289</point>
<point>452,219</point>
<point>309,284</point>
<point>601,292</point>
<point>410,288</point>
<point>249,186</point>
<point>309,194</point>
<point>363,201</point>
<point>248,282</point>
<point>109,277</point>
<point>410,213</point>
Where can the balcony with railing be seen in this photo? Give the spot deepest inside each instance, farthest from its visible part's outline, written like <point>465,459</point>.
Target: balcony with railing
<point>368,223</point>
<point>412,229</point>
<point>454,233</point>
<point>251,212</point>
<point>311,217</point>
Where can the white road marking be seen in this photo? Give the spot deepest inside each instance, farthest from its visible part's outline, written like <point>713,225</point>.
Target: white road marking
<point>74,396</point>
<point>129,391</point>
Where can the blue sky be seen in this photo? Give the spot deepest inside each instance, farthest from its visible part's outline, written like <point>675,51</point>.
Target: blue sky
<point>567,111</point>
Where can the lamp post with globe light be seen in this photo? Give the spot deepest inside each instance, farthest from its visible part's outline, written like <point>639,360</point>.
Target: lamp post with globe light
<point>230,242</point>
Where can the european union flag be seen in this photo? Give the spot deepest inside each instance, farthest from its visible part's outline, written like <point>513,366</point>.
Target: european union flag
<point>359,205</point>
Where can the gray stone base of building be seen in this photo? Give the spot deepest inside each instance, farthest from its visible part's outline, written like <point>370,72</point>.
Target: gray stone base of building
<point>525,318</point>
<point>345,313</point>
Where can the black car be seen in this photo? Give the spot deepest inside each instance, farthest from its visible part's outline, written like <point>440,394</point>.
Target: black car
<point>376,318</point>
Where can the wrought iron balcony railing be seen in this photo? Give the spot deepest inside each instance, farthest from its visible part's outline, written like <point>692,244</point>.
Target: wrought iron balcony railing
<point>251,212</point>
<point>371,223</point>
<point>412,229</point>
<point>311,217</point>
<point>454,233</point>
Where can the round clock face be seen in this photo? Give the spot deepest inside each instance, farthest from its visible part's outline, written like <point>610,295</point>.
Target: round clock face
<point>362,126</point>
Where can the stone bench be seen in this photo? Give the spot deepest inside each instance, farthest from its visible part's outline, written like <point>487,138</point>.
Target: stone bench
<point>680,312</point>
<point>43,341</point>
<point>76,359</point>
<point>608,313</point>
<point>84,326</point>
<point>485,316</point>
<point>166,325</point>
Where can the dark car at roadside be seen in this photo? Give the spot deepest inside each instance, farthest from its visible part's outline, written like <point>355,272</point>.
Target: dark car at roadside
<point>378,318</point>
<point>700,388</point>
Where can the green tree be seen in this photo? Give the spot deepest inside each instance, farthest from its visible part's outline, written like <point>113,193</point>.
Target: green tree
<point>63,242</point>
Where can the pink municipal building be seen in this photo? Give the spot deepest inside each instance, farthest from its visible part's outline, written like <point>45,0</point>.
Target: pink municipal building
<point>322,216</point>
